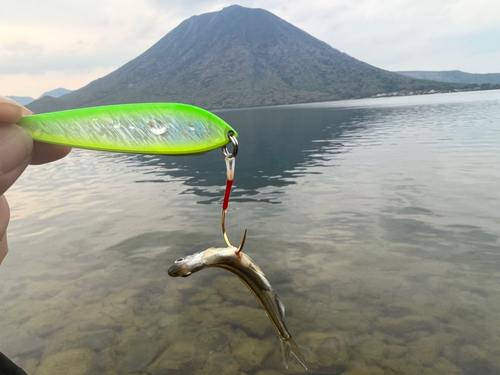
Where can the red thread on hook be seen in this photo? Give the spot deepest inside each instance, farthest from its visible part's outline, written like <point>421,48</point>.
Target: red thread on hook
<point>225,204</point>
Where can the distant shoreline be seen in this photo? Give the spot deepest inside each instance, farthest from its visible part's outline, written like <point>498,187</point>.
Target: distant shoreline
<point>431,92</point>
<point>346,100</point>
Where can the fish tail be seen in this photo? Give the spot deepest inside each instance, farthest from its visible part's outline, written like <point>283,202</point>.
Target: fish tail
<point>289,347</point>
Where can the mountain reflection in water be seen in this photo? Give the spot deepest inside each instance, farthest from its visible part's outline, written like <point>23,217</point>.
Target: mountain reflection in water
<point>277,146</point>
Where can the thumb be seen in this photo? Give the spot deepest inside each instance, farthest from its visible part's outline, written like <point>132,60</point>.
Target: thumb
<point>15,154</point>
<point>4,221</point>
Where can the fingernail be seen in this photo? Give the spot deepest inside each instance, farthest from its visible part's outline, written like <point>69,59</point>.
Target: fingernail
<point>26,112</point>
<point>15,147</point>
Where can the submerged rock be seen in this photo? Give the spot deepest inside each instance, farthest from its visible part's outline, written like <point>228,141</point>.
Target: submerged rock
<point>372,350</point>
<point>471,352</point>
<point>28,365</point>
<point>252,320</point>
<point>364,370</point>
<point>331,352</point>
<point>250,352</point>
<point>268,372</point>
<point>46,320</point>
<point>169,320</point>
<point>388,339</point>
<point>396,351</point>
<point>99,323</point>
<point>170,305</point>
<point>424,350</point>
<point>103,362</point>
<point>95,340</point>
<point>350,321</point>
<point>204,318</point>
<point>221,364</point>
<point>213,338</point>
<point>22,345</point>
<point>180,355</point>
<point>407,324</point>
<point>204,297</point>
<point>17,314</point>
<point>140,356</point>
<point>71,362</point>
<point>328,350</point>
<point>473,359</point>
<point>395,311</point>
<point>401,366</point>
<point>443,367</point>
<point>233,290</point>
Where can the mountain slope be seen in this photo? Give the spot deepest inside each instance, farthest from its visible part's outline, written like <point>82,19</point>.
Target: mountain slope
<point>455,76</point>
<point>23,100</point>
<point>237,57</point>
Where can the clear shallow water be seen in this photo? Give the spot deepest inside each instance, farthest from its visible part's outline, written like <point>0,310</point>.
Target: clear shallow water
<point>377,222</point>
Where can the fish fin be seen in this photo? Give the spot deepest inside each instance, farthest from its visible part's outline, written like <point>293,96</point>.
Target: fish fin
<point>281,306</point>
<point>273,297</point>
<point>289,347</point>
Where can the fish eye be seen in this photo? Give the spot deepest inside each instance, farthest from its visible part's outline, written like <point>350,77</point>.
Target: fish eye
<point>179,260</point>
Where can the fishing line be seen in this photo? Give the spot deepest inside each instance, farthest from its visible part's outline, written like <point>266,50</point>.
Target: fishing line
<point>230,166</point>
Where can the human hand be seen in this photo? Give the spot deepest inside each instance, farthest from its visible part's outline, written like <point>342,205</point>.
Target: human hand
<point>17,150</point>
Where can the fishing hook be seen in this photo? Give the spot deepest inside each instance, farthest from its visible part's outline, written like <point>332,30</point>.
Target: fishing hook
<point>224,233</point>
<point>230,164</point>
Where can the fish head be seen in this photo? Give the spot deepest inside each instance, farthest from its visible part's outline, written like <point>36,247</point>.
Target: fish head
<point>188,265</point>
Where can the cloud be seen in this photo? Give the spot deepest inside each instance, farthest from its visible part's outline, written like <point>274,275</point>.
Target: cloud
<point>82,35</point>
<point>40,39</point>
<point>473,15</point>
<point>400,34</point>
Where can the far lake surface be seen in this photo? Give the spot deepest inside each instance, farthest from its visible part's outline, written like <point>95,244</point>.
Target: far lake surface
<point>377,221</point>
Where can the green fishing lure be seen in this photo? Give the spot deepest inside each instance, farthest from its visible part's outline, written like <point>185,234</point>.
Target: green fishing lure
<point>153,128</point>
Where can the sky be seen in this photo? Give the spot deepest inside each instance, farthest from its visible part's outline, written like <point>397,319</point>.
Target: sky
<point>59,43</point>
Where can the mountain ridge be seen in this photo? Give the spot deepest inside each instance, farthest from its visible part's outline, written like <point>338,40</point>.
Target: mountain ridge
<point>233,58</point>
<point>25,100</point>
<point>453,76</point>
<point>56,93</point>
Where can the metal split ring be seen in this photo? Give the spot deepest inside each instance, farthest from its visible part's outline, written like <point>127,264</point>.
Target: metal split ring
<point>234,141</point>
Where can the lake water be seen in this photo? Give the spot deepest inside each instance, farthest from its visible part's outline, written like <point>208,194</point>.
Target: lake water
<point>377,221</point>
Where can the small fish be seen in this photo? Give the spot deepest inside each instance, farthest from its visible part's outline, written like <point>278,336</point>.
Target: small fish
<point>242,266</point>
